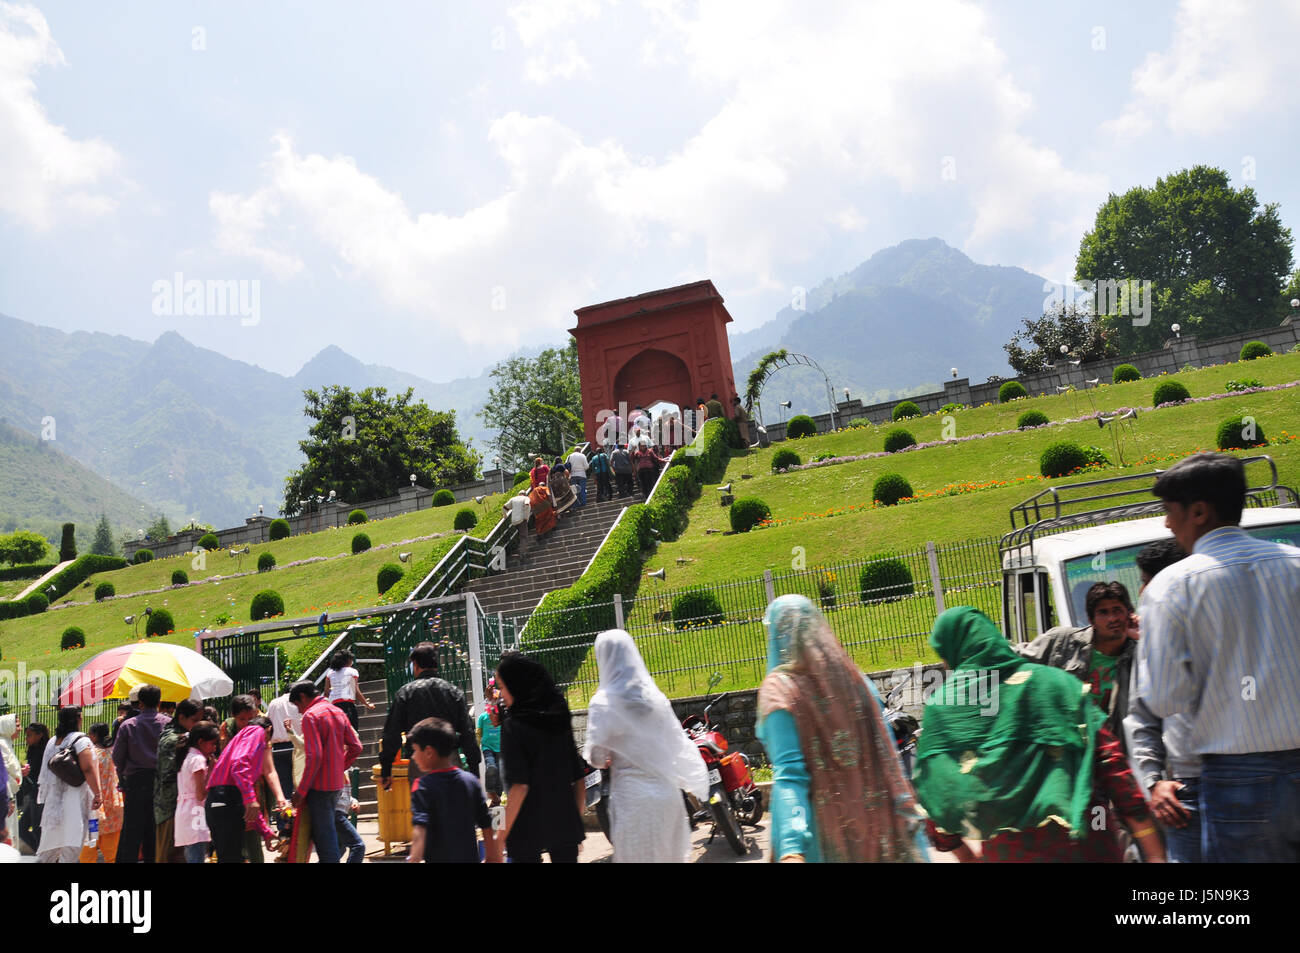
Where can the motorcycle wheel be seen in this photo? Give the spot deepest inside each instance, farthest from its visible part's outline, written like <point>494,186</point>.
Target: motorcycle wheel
<point>725,821</point>
<point>753,810</point>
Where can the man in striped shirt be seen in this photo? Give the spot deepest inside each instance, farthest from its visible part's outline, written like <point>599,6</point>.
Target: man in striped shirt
<point>331,746</point>
<point>1221,644</point>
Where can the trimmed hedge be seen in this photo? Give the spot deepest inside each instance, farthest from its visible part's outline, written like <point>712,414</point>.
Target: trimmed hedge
<point>266,604</point>
<point>68,545</point>
<point>1125,373</point>
<point>30,571</point>
<point>37,603</point>
<point>142,556</point>
<point>1011,390</point>
<point>1254,349</point>
<point>885,579</point>
<point>747,512</point>
<point>357,517</point>
<point>1234,435</point>
<point>1170,392</point>
<point>465,519</point>
<point>82,568</point>
<point>890,488</point>
<point>360,543</point>
<point>209,541</point>
<point>672,501</point>
<point>72,638</point>
<point>180,577</point>
<point>707,456</point>
<point>898,439</point>
<point>160,622</point>
<point>1061,458</point>
<point>697,606</point>
<point>520,478</point>
<point>444,497</point>
<point>104,590</point>
<point>800,425</point>
<point>265,562</point>
<point>279,530</point>
<point>1032,418</point>
<point>389,573</point>
<point>417,570</point>
<point>905,409</point>
<point>785,458</point>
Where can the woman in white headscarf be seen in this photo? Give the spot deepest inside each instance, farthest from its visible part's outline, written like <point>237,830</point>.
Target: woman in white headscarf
<point>13,768</point>
<point>631,729</point>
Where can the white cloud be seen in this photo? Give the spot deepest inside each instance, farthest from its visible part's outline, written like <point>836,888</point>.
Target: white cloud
<point>538,22</point>
<point>45,174</point>
<point>830,123</point>
<point>568,64</point>
<point>1227,60</point>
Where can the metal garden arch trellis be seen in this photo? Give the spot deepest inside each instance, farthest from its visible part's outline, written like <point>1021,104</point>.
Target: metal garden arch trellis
<point>774,362</point>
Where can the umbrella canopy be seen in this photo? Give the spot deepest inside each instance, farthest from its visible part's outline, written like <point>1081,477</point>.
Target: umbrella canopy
<point>178,671</point>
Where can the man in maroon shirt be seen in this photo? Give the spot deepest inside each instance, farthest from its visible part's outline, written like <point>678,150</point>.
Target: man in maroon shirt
<point>331,746</point>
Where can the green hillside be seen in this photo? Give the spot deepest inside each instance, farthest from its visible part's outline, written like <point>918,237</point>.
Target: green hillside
<point>41,489</point>
<point>330,578</point>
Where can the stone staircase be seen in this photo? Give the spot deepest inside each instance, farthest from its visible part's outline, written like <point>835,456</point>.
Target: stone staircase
<point>370,726</point>
<point>553,562</point>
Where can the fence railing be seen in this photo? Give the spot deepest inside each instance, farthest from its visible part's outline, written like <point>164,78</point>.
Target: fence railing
<point>882,610</point>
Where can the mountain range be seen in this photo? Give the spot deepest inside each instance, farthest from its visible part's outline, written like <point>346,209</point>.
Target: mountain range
<point>187,432</point>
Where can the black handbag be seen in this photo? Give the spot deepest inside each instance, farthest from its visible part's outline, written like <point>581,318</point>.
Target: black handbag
<point>65,766</point>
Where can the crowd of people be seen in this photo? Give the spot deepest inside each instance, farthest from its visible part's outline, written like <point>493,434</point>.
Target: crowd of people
<point>1196,687</point>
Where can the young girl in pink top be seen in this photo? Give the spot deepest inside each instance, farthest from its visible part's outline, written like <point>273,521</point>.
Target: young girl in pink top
<point>192,789</point>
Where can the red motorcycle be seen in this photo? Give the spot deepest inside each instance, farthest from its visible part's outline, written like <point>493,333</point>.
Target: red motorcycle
<point>734,798</point>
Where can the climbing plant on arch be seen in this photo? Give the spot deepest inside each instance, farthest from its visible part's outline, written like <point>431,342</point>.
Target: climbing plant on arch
<point>768,365</point>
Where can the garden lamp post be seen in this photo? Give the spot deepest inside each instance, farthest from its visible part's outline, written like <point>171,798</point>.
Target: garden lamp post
<point>1178,331</point>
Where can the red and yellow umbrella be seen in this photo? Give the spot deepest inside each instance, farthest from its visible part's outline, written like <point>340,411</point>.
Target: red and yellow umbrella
<point>178,671</point>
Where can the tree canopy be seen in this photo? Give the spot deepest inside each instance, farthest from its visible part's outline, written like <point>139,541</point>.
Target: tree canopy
<point>535,405</point>
<point>103,544</point>
<point>365,445</point>
<point>1216,259</point>
<point>23,547</point>
<point>1037,346</point>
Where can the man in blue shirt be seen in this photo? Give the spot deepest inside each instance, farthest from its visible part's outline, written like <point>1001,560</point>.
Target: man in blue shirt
<point>1221,644</point>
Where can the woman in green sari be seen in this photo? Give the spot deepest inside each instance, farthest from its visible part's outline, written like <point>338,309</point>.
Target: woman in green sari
<point>1016,754</point>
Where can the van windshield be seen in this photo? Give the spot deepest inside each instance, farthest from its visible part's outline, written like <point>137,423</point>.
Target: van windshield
<point>1121,565</point>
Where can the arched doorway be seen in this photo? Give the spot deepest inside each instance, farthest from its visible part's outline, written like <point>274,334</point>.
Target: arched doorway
<point>652,376</point>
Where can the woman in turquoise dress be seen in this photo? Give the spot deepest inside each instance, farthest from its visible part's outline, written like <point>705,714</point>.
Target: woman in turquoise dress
<point>838,790</point>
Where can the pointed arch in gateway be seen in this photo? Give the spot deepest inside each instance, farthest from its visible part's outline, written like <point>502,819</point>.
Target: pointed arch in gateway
<point>662,345</point>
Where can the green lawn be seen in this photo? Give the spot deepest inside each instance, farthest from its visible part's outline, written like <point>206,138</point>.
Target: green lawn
<point>346,582</point>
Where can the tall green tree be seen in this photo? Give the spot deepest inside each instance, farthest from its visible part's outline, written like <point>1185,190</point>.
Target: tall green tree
<point>1216,259</point>
<point>1037,346</point>
<point>365,445</point>
<point>23,547</point>
<point>103,544</point>
<point>535,405</point>
<point>159,529</point>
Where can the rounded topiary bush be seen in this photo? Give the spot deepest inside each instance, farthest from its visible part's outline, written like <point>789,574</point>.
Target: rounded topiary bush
<point>360,543</point>
<point>800,425</point>
<point>142,556</point>
<point>1253,349</point>
<point>266,604</point>
<point>885,580</point>
<point>356,517</point>
<point>389,573</point>
<point>951,408</point>
<point>279,530</point>
<point>1125,373</point>
<point>784,459</point>
<point>265,562</point>
<point>104,591</point>
<point>889,488</point>
<point>1032,418</point>
<point>1062,457</point>
<point>696,607</point>
<point>1170,392</point>
<point>209,541</point>
<point>1011,390</point>
<point>180,577</point>
<point>905,409</point>
<point>521,478</point>
<point>747,512</point>
<point>159,622</point>
<point>444,498</point>
<point>37,602</point>
<point>465,519</point>
<point>898,439</point>
<point>1237,433</point>
<point>73,638</point>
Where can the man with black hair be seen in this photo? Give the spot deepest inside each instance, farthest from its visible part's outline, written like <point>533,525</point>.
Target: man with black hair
<point>331,745</point>
<point>447,804</point>
<point>1221,645</point>
<point>426,696</point>
<point>135,755</point>
<point>1100,654</point>
<point>185,716</point>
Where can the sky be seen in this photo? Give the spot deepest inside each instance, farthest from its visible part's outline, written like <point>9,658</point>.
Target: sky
<point>432,186</point>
